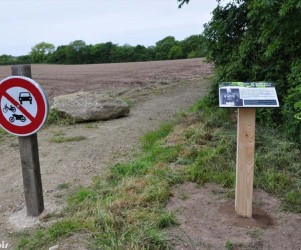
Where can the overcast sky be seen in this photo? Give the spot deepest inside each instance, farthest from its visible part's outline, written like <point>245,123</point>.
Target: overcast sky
<point>24,23</point>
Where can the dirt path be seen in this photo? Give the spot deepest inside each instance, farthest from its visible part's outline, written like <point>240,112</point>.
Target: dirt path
<point>77,162</point>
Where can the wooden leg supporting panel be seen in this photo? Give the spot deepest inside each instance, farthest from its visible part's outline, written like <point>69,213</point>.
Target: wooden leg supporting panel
<point>245,161</point>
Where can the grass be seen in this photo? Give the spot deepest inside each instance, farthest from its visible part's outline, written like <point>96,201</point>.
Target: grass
<point>60,138</point>
<point>125,208</point>
<point>58,118</point>
<point>229,245</point>
<point>44,236</point>
<point>129,102</point>
<point>277,160</point>
<point>91,125</point>
<point>64,185</point>
<point>2,134</point>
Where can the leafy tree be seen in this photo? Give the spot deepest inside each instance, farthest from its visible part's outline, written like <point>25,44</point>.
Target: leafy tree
<point>175,52</point>
<point>194,46</point>
<point>25,59</point>
<point>141,53</point>
<point>41,51</point>
<point>103,52</point>
<point>6,59</point>
<point>77,45</point>
<point>163,47</point>
<point>75,52</point>
<point>59,56</point>
<point>123,53</point>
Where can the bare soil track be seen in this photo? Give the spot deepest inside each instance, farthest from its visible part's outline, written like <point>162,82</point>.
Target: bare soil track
<point>159,91</point>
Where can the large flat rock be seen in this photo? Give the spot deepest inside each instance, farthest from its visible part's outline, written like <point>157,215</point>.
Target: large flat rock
<point>90,106</point>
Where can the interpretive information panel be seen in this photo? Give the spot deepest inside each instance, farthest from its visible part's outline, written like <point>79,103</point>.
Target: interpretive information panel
<point>248,94</point>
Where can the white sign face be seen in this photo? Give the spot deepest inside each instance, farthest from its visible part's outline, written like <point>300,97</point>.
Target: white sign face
<point>248,94</point>
<point>24,106</point>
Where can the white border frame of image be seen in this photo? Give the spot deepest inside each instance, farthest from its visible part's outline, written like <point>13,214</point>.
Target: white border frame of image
<point>44,98</point>
<point>240,85</point>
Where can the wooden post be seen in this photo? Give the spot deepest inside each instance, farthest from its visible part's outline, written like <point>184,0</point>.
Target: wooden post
<point>245,161</point>
<point>21,70</point>
<point>30,163</point>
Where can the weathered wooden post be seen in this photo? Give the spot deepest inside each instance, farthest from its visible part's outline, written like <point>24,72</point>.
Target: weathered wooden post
<point>30,163</point>
<point>246,96</point>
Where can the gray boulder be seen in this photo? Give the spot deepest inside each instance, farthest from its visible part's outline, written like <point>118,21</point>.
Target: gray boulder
<point>89,106</point>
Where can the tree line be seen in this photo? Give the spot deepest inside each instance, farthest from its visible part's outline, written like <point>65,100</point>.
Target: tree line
<point>78,52</point>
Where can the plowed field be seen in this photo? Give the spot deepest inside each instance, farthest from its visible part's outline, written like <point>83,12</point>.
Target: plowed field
<point>66,79</point>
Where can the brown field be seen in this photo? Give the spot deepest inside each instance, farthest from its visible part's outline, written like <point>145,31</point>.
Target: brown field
<point>65,79</point>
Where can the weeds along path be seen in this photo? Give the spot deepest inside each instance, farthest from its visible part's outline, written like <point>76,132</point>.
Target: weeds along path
<point>66,165</point>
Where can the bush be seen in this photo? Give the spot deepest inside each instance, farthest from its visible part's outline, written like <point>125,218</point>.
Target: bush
<point>260,41</point>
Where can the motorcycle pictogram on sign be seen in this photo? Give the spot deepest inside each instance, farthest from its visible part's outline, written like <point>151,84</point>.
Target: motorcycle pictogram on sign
<point>23,104</point>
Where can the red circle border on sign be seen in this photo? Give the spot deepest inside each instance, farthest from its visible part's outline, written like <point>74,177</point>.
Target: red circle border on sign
<point>41,100</point>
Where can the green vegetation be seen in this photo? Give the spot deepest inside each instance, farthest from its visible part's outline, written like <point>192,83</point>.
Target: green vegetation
<point>43,237</point>
<point>55,117</point>
<point>250,40</point>
<point>129,102</point>
<point>260,41</point>
<point>64,185</point>
<point>60,138</point>
<point>41,51</point>
<point>125,208</point>
<point>229,245</point>
<point>277,160</point>
<point>2,134</point>
<point>91,125</point>
<point>78,52</point>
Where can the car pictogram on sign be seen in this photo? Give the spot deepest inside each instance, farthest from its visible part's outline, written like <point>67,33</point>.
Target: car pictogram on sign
<point>25,96</point>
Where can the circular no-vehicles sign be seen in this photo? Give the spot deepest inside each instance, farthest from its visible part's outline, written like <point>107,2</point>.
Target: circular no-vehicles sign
<point>24,106</point>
